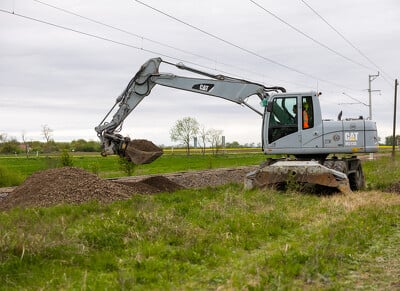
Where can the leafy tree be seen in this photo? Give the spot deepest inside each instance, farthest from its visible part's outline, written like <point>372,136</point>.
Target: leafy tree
<point>82,145</point>
<point>10,147</point>
<point>389,140</point>
<point>233,144</point>
<point>184,130</point>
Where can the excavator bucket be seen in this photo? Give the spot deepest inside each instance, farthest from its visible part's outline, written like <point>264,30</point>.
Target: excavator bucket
<point>302,172</point>
<point>141,151</point>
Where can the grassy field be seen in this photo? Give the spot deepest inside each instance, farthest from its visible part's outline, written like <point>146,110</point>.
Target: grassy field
<point>108,167</point>
<point>225,237</point>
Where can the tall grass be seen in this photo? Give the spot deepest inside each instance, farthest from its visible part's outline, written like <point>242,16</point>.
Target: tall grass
<point>382,172</point>
<point>9,177</point>
<point>225,238</point>
<point>110,166</point>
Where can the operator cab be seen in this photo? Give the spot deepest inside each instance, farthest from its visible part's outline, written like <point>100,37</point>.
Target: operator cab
<point>286,115</point>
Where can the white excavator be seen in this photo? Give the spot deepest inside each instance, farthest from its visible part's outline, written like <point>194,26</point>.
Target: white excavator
<point>316,151</point>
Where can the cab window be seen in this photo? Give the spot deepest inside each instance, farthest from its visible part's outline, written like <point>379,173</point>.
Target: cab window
<point>307,112</point>
<point>283,118</point>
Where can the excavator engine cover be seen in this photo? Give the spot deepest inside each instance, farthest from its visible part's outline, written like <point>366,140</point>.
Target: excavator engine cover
<point>141,151</point>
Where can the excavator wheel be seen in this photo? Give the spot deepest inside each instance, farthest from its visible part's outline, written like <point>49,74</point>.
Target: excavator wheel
<point>357,179</point>
<point>140,151</point>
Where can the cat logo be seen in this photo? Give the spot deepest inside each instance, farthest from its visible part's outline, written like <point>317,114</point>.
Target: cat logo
<point>203,87</point>
<point>350,138</point>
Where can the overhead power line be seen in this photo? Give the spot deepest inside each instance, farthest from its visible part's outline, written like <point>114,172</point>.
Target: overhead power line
<point>99,37</point>
<point>141,37</point>
<point>309,37</point>
<point>115,42</point>
<point>346,39</point>
<point>240,47</point>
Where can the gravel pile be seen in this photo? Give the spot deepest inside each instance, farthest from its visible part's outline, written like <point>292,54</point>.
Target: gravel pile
<point>75,186</point>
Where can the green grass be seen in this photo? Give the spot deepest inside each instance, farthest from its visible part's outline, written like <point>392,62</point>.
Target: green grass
<point>382,172</point>
<point>108,167</point>
<point>9,177</point>
<point>211,238</point>
<point>205,239</point>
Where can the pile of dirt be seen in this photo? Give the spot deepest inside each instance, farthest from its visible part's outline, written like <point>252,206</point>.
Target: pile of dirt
<point>75,186</point>
<point>153,184</point>
<point>141,151</point>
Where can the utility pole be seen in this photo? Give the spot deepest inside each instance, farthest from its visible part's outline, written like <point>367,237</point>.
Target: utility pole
<point>396,83</point>
<point>370,79</point>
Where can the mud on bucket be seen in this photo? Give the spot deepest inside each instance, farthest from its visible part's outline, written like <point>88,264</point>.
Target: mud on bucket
<point>141,151</point>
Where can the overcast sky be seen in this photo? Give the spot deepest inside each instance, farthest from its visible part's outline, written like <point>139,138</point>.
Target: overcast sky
<point>68,80</point>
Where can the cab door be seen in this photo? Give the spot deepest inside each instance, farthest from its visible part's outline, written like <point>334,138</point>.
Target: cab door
<point>283,122</point>
<point>311,128</point>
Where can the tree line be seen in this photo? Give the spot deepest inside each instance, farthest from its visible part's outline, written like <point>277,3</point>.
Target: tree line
<point>185,131</point>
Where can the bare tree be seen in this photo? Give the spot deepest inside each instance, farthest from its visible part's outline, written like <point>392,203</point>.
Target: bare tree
<point>47,132</point>
<point>26,144</point>
<point>215,138</point>
<point>3,137</point>
<point>203,134</point>
<point>184,130</point>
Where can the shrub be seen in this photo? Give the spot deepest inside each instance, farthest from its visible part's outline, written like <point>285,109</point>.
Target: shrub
<point>126,165</point>
<point>66,159</point>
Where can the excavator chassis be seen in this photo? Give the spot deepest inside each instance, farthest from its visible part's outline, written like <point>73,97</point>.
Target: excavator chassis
<point>343,174</point>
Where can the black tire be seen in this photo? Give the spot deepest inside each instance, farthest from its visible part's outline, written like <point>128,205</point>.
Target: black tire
<point>357,179</point>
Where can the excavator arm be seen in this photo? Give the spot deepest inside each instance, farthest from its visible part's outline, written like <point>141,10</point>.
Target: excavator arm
<point>142,151</point>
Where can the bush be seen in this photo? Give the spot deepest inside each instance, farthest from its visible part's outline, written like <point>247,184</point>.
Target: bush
<point>9,177</point>
<point>66,159</point>
<point>126,165</point>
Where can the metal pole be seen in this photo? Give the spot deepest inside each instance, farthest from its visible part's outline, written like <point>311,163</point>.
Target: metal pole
<point>369,97</point>
<point>396,83</point>
<point>370,79</point>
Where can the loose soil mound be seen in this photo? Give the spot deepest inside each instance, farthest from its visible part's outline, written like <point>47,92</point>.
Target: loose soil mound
<point>154,184</point>
<point>395,188</point>
<point>141,151</point>
<point>76,186</point>
<point>64,185</point>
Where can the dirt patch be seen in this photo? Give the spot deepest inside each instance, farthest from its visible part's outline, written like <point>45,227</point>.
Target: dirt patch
<point>75,186</point>
<point>394,188</point>
<point>211,178</point>
<point>153,184</point>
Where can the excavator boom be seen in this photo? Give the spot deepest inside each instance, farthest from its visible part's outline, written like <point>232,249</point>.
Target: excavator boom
<point>228,88</point>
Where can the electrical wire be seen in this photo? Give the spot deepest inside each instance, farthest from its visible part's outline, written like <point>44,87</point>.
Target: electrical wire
<point>240,47</point>
<point>309,37</point>
<point>347,40</point>
<point>115,42</point>
<point>140,36</point>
